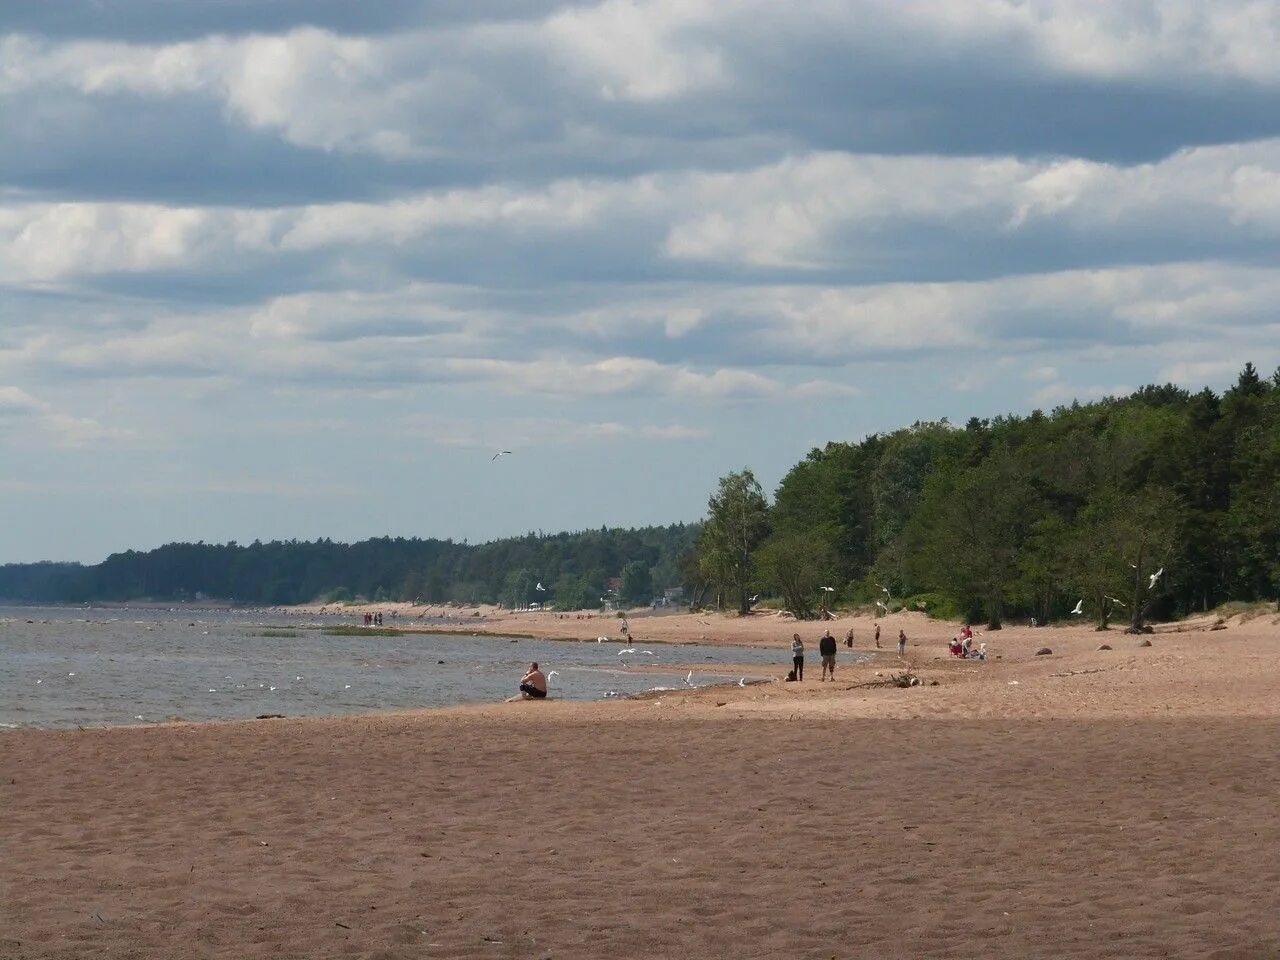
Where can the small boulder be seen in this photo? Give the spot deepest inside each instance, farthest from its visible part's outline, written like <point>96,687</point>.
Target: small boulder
<point>1145,643</point>
<point>1104,646</point>
<point>1044,652</point>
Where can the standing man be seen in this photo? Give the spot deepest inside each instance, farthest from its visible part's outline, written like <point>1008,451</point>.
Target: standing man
<point>902,642</point>
<point>827,647</point>
<point>877,636</point>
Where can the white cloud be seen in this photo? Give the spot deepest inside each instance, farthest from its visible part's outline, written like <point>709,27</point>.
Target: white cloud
<point>519,433</point>
<point>426,93</point>
<point>818,211</point>
<point>635,51</point>
<point>612,375</point>
<point>1061,393</point>
<point>1043,374</point>
<point>18,408</point>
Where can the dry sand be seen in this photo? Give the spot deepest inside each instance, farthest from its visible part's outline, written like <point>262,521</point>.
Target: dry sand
<point>1085,804</point>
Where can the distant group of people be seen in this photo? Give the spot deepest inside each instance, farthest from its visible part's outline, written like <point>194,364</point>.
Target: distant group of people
<point>827,651</point>
<point>373,619</point>
<point>961,645</point>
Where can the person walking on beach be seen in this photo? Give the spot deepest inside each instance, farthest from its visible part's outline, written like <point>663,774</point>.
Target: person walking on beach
<point>827,649</point>
<point>877,636</point>
<point>848,638</point>
<point>902,642</point>
<point>797,656</point>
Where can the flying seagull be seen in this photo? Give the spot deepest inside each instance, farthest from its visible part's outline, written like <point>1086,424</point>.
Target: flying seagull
<point>1151,582</point>
<point>1115,601</point>
<point>500,453</point>
<point>629,650</point>
<point>828,589</point>
<point>540,587</point>
<point>689,679</point>
<point>884,588</point>
<point>742,681</point>
<point>1079,608</point>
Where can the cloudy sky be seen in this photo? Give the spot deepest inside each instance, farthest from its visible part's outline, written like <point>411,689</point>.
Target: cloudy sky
<point>297,268</point>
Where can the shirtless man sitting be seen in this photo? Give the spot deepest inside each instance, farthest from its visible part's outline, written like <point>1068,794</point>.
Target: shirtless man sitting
<point>533,685</point>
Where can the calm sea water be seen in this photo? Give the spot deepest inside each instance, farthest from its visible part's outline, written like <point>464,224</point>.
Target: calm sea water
<point>67,666</point>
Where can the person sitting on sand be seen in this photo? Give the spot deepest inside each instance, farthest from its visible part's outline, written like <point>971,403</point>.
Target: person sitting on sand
<point>797,655</point>
<point>956,647</point>
<point>533,685</point>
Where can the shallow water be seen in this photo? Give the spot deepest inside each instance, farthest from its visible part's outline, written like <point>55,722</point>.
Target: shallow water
<point>67,666</point>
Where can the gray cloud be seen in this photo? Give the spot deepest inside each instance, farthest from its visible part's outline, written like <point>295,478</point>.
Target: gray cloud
<point>630,220</point>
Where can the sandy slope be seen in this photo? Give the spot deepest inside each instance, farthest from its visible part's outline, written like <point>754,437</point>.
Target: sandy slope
<point>1086,804</point>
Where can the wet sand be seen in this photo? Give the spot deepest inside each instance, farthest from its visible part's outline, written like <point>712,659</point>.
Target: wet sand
<point>1085,804</point>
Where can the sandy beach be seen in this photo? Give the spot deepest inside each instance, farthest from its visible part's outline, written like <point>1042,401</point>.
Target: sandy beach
<point>1114,803</point>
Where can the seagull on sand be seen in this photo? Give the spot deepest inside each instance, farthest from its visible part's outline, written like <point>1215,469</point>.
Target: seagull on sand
<point>742,681</point>
<point>500,453</point>
<point>1151,581</point>
<point>1078,608</point>
<point>602,639</point>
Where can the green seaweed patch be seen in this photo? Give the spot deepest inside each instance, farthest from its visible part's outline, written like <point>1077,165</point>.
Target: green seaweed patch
<point>277,633</point>
<point>351,631</point>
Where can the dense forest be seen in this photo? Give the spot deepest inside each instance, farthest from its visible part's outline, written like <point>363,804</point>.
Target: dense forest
<point>573,570</point>
<point>1154,505</point>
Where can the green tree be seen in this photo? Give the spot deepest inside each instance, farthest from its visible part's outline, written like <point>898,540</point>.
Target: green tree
<point>968,530</point>
<point>798,566</point>
<point>1118,542</point>
<point>636,588</point>
<point>737,522</point>
<point>575,593</point>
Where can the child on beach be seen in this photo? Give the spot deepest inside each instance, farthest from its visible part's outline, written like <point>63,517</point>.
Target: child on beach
<point>902,642</point>
<point>797,655</point>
